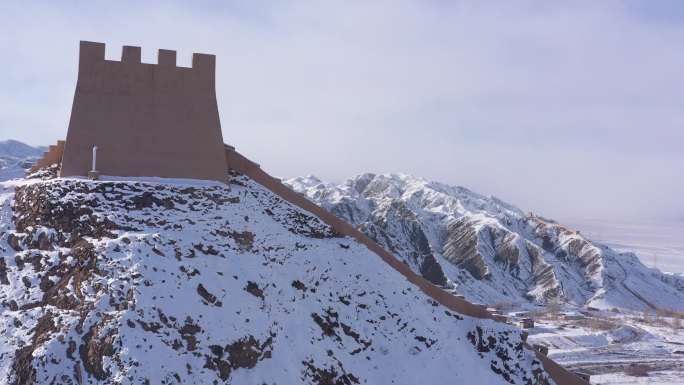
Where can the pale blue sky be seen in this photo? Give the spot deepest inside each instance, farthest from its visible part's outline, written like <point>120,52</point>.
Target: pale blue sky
<point>564,108</point>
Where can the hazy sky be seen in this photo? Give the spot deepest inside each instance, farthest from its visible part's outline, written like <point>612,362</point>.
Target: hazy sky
<point>564,108</point>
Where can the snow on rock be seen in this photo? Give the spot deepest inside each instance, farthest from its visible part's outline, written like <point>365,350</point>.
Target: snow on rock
<point>135,282</point>
<point>488,250</point>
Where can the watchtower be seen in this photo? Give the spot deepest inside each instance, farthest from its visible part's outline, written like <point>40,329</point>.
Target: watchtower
<point>156,120</point>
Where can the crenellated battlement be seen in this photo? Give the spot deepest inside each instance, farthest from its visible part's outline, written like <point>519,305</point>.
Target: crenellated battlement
<point>93,52</point>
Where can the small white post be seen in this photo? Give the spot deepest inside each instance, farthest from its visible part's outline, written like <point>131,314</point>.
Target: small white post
<point>94,174</point>
<point>94,159</point>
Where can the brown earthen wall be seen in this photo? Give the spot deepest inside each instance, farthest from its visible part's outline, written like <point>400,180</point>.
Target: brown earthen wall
<point>241,164</point>
<point>146,119</point>
<point>244,166</point>
<point>52,156</point>
<point>559,374</point>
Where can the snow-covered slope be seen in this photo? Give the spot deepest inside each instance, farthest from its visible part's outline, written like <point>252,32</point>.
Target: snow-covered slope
<point>16,157</point>
<point>491,251</point>
<point>163,282</point>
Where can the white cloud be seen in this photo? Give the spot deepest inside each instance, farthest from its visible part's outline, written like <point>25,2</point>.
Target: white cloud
<point>564,109</point>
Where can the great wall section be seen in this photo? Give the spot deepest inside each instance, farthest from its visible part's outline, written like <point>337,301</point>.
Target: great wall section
<point>157,145</point>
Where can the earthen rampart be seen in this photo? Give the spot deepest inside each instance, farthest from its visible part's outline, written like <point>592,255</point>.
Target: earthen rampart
<point>241,164</point>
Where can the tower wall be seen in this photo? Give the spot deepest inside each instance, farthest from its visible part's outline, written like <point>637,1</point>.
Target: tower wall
<point>146,119</point>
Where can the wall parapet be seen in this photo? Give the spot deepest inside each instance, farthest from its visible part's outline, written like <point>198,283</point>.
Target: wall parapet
<point>93,52</point>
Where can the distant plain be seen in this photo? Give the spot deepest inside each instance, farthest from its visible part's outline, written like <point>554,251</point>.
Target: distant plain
<point>658,244</point>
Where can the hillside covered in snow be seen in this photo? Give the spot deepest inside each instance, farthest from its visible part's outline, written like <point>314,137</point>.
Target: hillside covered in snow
<point>490,251</point>
<point>171,282</point>
<point>16,157</point>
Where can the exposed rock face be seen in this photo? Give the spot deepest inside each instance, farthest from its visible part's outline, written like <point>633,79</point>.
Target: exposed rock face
<point>151,283</point>
<point>397,229</point>
<point>491,251</point>
<point>461,249</point>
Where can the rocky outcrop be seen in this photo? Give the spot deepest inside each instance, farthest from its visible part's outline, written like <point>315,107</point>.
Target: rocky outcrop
<point>461,249</point>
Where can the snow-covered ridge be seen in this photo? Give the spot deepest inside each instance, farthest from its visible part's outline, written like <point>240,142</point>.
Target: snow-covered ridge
<point>17,149</point>
<point>489,250</point>
<point>16,157</point>
<point>132,282</point>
